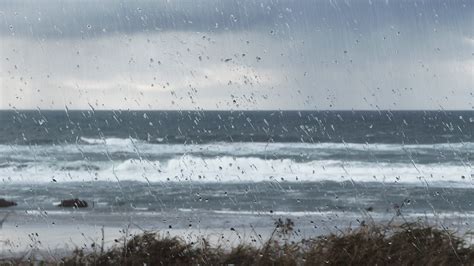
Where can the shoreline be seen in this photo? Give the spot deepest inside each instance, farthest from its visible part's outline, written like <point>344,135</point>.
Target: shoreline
<point>64,231</point>
<point>284,238</point>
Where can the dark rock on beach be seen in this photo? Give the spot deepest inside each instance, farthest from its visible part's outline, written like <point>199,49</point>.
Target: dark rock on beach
<point>73,203</point>
<point>5,203</point>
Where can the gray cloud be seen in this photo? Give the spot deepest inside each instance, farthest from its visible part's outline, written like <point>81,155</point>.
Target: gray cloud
<point>90,18</point>
<point>216,54</point>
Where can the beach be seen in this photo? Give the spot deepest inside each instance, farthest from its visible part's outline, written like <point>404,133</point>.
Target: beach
<point>226,215</point>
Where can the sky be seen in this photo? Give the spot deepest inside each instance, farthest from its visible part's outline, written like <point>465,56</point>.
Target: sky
<point>237,54</point>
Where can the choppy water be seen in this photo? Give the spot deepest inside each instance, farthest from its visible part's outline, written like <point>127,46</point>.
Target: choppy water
<point>244,162</point>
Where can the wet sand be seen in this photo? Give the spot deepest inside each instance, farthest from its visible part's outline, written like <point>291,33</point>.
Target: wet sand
<point>57,233</point>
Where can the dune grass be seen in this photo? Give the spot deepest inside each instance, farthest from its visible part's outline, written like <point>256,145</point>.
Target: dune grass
<point>406,244</point>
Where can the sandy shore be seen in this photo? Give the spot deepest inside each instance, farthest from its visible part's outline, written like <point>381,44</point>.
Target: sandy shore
<point>57,233</point>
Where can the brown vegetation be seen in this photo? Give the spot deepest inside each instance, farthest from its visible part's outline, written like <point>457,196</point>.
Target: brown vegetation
<point>408,244</point>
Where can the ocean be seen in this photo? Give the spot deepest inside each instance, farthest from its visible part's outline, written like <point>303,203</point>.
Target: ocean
<point>219,169</point>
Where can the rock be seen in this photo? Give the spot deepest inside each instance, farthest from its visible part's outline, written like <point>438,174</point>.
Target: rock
<point>73,203</point>
<point>5,203</point>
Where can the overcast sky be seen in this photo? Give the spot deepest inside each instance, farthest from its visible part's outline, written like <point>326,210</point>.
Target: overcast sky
<point>247,54</point>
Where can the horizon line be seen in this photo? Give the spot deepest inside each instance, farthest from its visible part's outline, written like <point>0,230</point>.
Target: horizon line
<point>243,110</point>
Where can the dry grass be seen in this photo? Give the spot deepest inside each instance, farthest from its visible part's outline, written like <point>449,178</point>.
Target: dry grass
<point>408,244</point>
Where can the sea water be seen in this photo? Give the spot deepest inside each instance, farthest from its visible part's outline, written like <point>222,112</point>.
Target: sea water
<point>208,169</point>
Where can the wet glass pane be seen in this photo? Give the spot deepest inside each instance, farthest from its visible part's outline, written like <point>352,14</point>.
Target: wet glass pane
<point>227,123</point>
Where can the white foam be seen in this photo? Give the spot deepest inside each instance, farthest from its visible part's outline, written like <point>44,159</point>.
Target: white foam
<point>110,141</point>
<point>232,162</point>
<point>346,214</point>
<point>137,147</point>
<point>92,141</point>
<point>246,169</point>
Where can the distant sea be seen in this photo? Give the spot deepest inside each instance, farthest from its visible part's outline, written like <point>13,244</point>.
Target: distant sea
<point>244,163</point>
